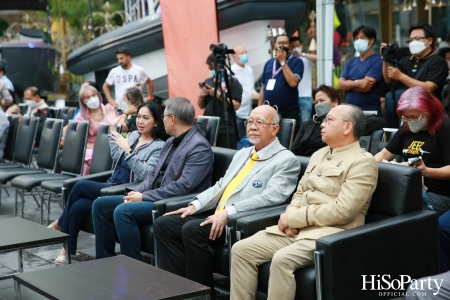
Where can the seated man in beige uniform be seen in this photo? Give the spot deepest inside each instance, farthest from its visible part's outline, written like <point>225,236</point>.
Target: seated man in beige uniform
<point>333,195</point>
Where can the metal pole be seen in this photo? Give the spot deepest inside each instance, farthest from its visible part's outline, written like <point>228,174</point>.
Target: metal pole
<point>92,19</point>
<point>324,22</point>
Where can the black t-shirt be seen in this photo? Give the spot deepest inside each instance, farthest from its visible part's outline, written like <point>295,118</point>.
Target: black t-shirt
<point>435,152</point>
<point>215,108</point>
<point>308,139</point>
<point>436,71</point>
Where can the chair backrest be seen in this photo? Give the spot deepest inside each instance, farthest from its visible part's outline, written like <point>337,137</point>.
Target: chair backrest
<point>399,191</point>
<point>12,135</point>
<point>23,151</point>
<point>49,144</point>
<point>101,157</point>
<point>222,159</point>
<point>72,158</point>
<point>66,114</point>
<point>375,139</point>
<point>286,133</point>
<point>212,128</point>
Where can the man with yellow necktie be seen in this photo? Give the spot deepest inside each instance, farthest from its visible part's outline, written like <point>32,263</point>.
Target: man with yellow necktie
<point>259,176</point>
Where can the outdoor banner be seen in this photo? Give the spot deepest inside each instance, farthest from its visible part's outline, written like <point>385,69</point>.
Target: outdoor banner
<point>189,28</point>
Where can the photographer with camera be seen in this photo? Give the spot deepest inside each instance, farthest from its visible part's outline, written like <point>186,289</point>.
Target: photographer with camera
<point>280,79</point>
<point>423,68</point>
<point>214,107</point>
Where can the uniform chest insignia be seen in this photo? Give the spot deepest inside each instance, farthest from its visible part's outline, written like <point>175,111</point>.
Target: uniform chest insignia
<point>257,184</point>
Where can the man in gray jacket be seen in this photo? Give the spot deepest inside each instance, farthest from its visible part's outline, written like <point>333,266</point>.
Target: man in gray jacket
<point>185,166</point>
<point>259,176</point>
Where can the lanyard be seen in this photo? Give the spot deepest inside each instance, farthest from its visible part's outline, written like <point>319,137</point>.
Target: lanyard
<point>275,73</point>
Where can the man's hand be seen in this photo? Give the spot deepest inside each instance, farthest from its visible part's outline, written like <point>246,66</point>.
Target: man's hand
<point>218,222</point>
<point>366,84</point>
<point>133,197</point>
<point>291,232</point>
<point>394,73</point>
<point>210,91</point>
<point>185,211</point>
<point>203,92</point>
<point>283,222</point>
<point>281,55</point>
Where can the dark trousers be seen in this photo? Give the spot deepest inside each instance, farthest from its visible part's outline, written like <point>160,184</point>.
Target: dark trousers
<point>78,207</point>
<point>293,114</point>
<point>114,218</point>
<point>183,247</point>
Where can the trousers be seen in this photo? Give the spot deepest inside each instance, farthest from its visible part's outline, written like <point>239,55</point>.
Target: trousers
<point>287,255</point>
<point>183,247</point>
<point>78,207</point>
<point>115,219</point>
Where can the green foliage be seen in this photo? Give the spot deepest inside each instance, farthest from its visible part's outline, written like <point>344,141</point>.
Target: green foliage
<point>74,12</point>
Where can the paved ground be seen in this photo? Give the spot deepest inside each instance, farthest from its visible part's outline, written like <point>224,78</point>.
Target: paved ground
<point>35,258</point>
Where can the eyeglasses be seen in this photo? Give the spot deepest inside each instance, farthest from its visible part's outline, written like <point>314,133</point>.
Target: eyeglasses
<point>418,38</point>
<point>412,119</point>
<point>328,120</point>
<point>259,123</point>
<point>163,115</point>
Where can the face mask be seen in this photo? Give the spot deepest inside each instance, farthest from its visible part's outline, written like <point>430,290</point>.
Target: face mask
<point>361,45</point>
<point>416,126</point>
<point>416,47</point>
<point>243,59</point>
<point>30,103</point>
<point>212,73</point>
<point>93,102</point>
<point>322,110</point>
<point>298,50</point>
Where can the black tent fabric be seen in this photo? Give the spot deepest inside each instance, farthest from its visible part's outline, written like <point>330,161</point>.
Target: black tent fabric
<point>23,4</point>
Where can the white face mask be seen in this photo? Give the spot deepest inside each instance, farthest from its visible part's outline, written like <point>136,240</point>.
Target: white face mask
<point>93,102</point>
<point>361,46</point>
<point>417,47</point>
<point>416,126</point>
<point>298,50</point>
<point>30,103</point>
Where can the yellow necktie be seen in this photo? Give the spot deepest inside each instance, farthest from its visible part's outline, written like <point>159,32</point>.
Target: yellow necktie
<point>235,182</point>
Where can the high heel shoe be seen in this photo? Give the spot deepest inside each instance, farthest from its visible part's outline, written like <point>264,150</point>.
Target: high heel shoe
<point>61,259</point>
<point>52,226</point>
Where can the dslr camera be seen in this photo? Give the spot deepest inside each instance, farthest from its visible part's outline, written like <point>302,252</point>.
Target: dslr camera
<point>390,53</point>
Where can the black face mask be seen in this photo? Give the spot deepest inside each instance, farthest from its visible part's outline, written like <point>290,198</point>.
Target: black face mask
<point>322,110</point>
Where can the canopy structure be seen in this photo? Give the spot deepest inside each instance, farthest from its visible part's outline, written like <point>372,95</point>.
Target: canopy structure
<point>23,4</point>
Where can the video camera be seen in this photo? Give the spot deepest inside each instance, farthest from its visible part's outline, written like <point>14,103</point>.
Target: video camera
<point>220,49</point>
<point>390,53</point>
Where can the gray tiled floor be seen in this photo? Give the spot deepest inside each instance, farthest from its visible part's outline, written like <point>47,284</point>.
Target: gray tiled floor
<point>35,258</point>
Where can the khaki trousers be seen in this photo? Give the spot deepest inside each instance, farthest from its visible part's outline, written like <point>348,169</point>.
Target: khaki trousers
<point>287,255</point>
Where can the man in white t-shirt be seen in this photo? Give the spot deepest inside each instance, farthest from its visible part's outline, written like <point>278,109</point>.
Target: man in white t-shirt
<point>124,76</point>
<point>246,78</point>
<point>305,85</point>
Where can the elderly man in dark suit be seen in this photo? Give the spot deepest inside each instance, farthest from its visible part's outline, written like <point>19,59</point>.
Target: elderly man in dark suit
<point>185,166</point>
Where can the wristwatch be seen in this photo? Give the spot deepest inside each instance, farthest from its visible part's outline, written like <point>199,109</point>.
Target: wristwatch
<point>303,54</point>
<point>282,63</point>
<point>356,83</point>
<point>127,153</point>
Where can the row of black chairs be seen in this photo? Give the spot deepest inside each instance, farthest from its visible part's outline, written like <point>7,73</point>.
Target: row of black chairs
<point>64,113</point>
<point>27,179</point>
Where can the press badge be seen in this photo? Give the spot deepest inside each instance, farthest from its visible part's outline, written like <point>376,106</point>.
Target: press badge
<point>271,84</point>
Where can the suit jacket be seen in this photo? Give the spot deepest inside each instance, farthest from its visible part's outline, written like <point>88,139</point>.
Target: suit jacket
<point>268,183</point>
<point>334,193</point>
<point>189,169</point>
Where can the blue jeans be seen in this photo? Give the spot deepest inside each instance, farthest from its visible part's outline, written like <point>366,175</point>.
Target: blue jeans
<point>112,217</point>
<point>305,105</point>
<point>78,207</point>
<point>242,130</point>
<point>444,241</point>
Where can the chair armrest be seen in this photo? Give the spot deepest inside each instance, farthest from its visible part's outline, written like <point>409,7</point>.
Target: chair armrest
<point>173,203</point>
<point>116,189</point>
<point>249,225</point>
<point>403,245</point>
<point>98,177</point>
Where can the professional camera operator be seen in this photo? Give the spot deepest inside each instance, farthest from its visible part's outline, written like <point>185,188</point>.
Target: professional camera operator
<point>214,107</point>
<point>423,68</point>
